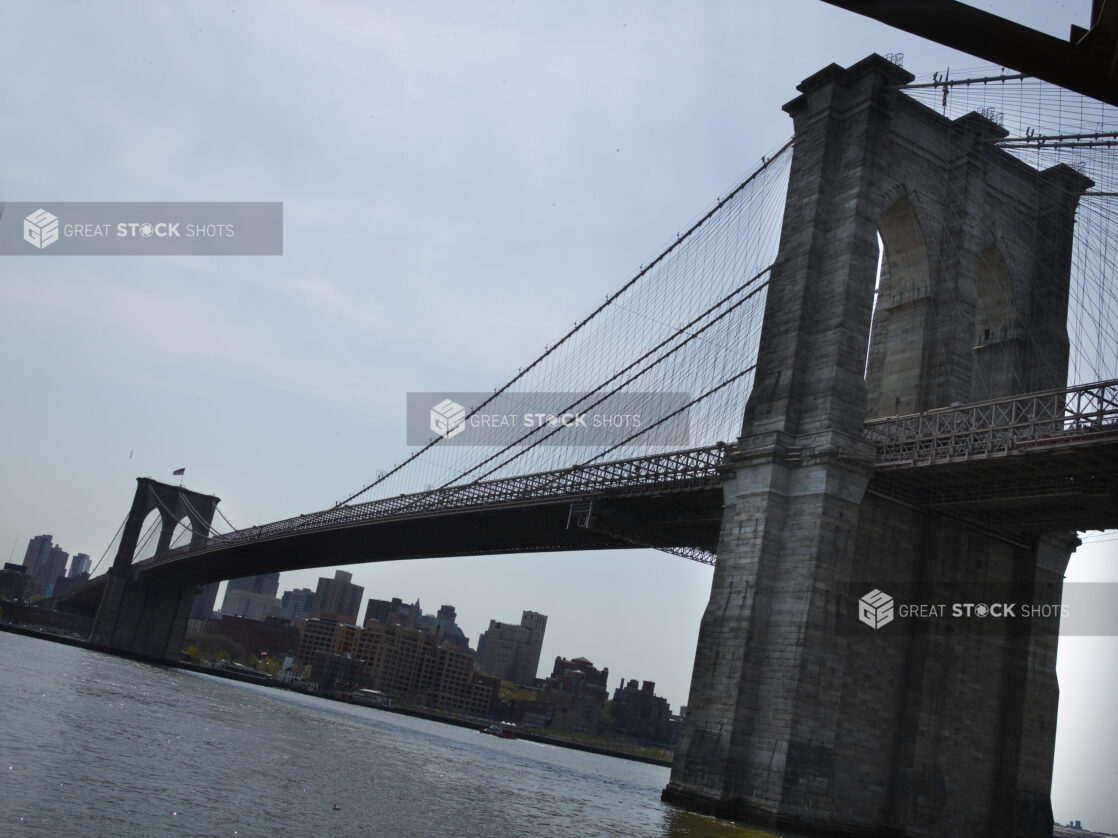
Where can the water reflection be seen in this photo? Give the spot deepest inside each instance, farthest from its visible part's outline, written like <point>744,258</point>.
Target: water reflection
<point>684,824</point>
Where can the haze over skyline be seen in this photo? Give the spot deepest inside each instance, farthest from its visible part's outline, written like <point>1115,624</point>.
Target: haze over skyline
<point>460,184</point>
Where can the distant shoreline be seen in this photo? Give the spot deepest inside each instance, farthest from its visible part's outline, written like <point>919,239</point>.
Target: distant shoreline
<point>233,675</point>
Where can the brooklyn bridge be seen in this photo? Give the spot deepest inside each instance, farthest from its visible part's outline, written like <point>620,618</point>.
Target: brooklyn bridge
<point>897,336</point>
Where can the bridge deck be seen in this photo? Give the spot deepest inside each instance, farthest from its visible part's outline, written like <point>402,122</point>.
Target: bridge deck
<point>1022,463</point>
<point>1003,427</point>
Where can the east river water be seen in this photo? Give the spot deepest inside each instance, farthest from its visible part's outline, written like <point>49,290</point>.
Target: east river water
<point>94,745</point>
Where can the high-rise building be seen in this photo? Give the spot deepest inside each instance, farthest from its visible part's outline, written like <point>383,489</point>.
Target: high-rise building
<point>297,603</point>
<point>511,652</point>
<point>46,563</point>
<point>38,554</point>
<point>497,648</point>
<point>529,666</point>
<point>55,568</point>
<point>249,605</point>
<point>445,629</point>
<point>253,597</point>
<point>395,612</point>
<point>79,565</point>
<point>265,583</point>
<point>338,598</point>
<point>378,609</point>
<point>202,609</point>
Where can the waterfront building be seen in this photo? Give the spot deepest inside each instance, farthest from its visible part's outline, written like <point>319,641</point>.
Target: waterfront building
<point>572,699</point>
<point>395,612</point>
<point>334,674</point>
<point>579,671</point>
<point>274,634</point>
<point>13,582</point>
<point>34,588</point>
<point>325,635</point>
<point>419,668</point>
<point>642,714</point>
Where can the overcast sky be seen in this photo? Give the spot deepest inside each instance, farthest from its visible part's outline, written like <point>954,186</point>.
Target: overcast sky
<point>461,182</point>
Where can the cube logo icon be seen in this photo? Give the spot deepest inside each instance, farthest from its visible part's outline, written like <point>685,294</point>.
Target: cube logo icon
<point>448,419</point>
<point>40,229</point>
<point>875,609</point>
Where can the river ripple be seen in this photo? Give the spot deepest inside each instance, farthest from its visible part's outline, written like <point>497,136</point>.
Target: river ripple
<point>94,745</point>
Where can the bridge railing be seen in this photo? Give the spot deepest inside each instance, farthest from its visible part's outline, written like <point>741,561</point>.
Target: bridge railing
<point>997,427</point>
<point>678,470</point>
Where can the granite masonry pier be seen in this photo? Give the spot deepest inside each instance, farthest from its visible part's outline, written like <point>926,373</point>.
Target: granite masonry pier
<point>800,717</point>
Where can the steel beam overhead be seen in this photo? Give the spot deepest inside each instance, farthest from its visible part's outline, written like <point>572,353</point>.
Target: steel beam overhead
<point>1087,64</point>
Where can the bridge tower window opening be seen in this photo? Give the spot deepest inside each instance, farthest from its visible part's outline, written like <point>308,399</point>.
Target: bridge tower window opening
<point>149,536</point>
<point>873,308</point>
<point>898,346</point>
<point>997,348</point>
<point>182,533</point>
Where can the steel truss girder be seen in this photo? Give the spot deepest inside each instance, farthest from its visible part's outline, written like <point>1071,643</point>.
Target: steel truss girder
<point>997,428</point>
<point>596,517</point>
<point>677,471</point>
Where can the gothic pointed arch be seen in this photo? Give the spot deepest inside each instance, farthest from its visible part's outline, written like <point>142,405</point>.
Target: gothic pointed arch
<point>897,354</point>
<point>998,343</point>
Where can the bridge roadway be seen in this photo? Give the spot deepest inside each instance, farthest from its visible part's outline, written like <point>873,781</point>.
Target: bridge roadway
<point>666,500</point>
<point>1013,465</point>
<point>1040,461</point>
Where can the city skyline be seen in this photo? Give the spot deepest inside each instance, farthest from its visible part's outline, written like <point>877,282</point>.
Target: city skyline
<point>513,665</point>
<point>46,564</point>
<point>459,186</point>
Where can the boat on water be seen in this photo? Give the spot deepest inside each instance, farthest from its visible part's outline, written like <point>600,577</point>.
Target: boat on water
<point>371,698</point>
<point>504,730</point>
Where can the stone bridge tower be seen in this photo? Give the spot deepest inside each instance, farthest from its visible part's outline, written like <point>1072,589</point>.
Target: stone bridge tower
<point>146,616</point>
<point>799,716</point>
